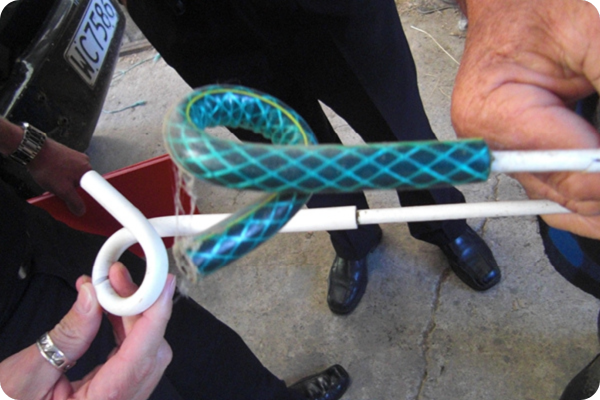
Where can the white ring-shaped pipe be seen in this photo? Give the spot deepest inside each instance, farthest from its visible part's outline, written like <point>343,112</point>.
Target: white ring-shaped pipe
<point>157,264</point>
<point>319,219</point>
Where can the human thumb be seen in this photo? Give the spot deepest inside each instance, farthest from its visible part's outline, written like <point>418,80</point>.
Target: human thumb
<point>75,332</point>
<point>32,373</point>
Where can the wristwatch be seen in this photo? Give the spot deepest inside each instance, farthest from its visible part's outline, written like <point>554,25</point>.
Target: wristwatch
<point>31,144</point>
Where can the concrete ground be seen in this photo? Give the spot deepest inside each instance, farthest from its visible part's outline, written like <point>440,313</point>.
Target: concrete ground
<point>419,332</point>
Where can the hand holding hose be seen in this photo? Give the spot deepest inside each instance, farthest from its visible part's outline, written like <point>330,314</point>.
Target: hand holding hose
<point>525,66</point>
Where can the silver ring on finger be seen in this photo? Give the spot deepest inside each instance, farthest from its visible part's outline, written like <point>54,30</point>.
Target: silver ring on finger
<point>53,354</point>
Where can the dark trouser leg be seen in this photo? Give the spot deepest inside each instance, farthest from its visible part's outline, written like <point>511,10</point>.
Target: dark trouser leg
<point>577,259</point>
<point>353,244</point>
<point>574,257</point>
<point>367,75</point>
<point>213,362</point>
<point>310,57</point>
<point>379,100</point>
<point>434,232</point>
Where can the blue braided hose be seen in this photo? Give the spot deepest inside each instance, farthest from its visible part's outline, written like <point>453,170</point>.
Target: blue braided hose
<point>292,168</point>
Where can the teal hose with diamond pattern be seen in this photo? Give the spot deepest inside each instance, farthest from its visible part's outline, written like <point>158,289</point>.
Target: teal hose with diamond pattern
<point>292,168</point>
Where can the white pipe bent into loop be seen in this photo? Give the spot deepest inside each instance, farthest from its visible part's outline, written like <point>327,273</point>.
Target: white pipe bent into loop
<point>334,218</point>
<point>157,264</point>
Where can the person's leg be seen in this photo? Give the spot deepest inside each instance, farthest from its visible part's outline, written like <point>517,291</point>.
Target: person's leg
<point>184,41</point>
<point>367,76</point>
<point>381,102</point>
<point>577,259</point>
<point>276,62</point>
<point>260,72</point>
<point>212,362</point>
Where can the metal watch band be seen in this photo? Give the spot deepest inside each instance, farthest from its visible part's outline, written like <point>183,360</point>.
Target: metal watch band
<point>30,146</point>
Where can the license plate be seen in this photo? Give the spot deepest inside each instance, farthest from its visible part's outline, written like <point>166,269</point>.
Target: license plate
<point>89,46</point>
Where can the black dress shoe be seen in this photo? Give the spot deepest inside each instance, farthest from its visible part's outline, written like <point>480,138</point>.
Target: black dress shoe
<point>472,260</point>
<point>585,384</point>
<point>330,384</point>
<point>347,283</point>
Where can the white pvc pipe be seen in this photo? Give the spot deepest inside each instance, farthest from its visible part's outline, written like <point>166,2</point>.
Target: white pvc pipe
<point>334,218</point>
<point>157,264</point>
<point>443,212</point>
<point>546,161</point>
<point>321,219</point>
<point>317,219</point>
<point>344,218</point>
<point>138,228</point>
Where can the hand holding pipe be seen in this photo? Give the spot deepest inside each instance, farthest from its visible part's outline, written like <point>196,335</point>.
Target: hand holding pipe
<point>293,168</point>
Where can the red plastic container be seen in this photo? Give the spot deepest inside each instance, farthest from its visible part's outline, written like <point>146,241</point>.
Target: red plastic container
<point>149,185</point>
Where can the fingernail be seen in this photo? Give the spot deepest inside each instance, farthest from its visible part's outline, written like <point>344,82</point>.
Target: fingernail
<point>85,299</point>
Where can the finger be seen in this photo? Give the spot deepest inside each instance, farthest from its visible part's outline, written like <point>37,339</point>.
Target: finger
<point>160,312</point>
<point>524,116</point>
<point>75,332</point>
<point>72,336</point>
<point>585,219</point>
<point>157,316</point>
<point>590,33</point>
<point>75,204</point>
<point>575,223</point>
<point>133,372</point>
<point>577,192</point>
<point>582,191</point>
<point>121,281</point>
<point>77,385</point>
<point>66,190</point>
<point>145,332</point>
<point>551,126</point>
<point>81,280</point>
<point>151,325</point>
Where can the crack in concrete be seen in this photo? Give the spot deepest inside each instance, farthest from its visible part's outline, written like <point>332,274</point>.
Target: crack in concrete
<point>496,187</point>
<point>430,328</point>
<point>495,196</point>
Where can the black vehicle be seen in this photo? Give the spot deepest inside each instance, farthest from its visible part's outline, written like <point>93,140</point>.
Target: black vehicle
<point>57,58</point>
